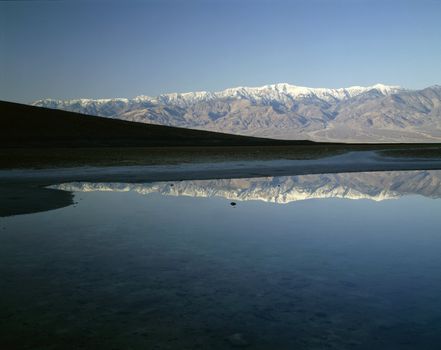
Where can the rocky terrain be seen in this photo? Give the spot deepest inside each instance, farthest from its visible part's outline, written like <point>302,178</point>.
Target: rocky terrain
<point>377,113</point>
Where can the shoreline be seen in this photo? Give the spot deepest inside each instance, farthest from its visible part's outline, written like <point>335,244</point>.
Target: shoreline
<point>358,161</point>
<point>25,191</point>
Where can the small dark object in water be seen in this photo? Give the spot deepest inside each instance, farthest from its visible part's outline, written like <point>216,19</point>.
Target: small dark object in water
<point>233,204</point>
<point>171,185</point>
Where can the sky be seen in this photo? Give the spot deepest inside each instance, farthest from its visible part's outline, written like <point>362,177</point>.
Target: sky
<point>103,49</point>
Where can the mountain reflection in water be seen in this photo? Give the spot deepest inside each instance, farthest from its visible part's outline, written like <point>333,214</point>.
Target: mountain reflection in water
<point>364,185</point>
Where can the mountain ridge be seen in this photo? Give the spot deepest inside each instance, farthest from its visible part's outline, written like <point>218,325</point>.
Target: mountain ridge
<point>229,92</point>
<point>377,113</point>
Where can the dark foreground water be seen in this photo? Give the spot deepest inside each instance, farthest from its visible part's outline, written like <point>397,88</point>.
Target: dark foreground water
<point>176,266</point>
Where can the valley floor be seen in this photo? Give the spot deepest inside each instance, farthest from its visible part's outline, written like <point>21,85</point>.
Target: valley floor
<point>23,190</point>
<point>53,157</point>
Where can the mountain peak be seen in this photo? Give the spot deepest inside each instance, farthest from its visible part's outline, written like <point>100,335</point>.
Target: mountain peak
<point>270,91</point>
<point>285,111</point>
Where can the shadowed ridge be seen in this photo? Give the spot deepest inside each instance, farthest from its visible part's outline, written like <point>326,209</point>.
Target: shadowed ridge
<point>29,126</point>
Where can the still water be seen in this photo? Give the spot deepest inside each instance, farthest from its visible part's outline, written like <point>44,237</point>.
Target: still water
<point>338,261</point>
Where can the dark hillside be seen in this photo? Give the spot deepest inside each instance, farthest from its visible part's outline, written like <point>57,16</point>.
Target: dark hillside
<point>30,126</point>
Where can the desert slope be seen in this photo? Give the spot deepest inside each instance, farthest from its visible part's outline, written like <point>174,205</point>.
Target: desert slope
<point>30,126</point>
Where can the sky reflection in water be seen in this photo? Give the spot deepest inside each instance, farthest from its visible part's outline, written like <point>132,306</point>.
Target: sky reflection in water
<point>125,270</point>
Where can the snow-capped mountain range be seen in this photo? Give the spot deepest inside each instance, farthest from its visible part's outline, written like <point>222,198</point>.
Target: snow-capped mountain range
<point>377,113</point>
<point>364,185</point>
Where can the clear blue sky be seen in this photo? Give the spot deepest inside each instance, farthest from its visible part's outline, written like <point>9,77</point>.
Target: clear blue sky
<point>72,49</point>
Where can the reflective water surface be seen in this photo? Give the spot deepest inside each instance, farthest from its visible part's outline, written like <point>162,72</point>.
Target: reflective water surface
<point>181,268</point>
<point>284,189</point>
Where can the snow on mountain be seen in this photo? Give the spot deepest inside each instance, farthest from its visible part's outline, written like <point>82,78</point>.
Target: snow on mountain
<point>273,92</point>
<point>378,113</point>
